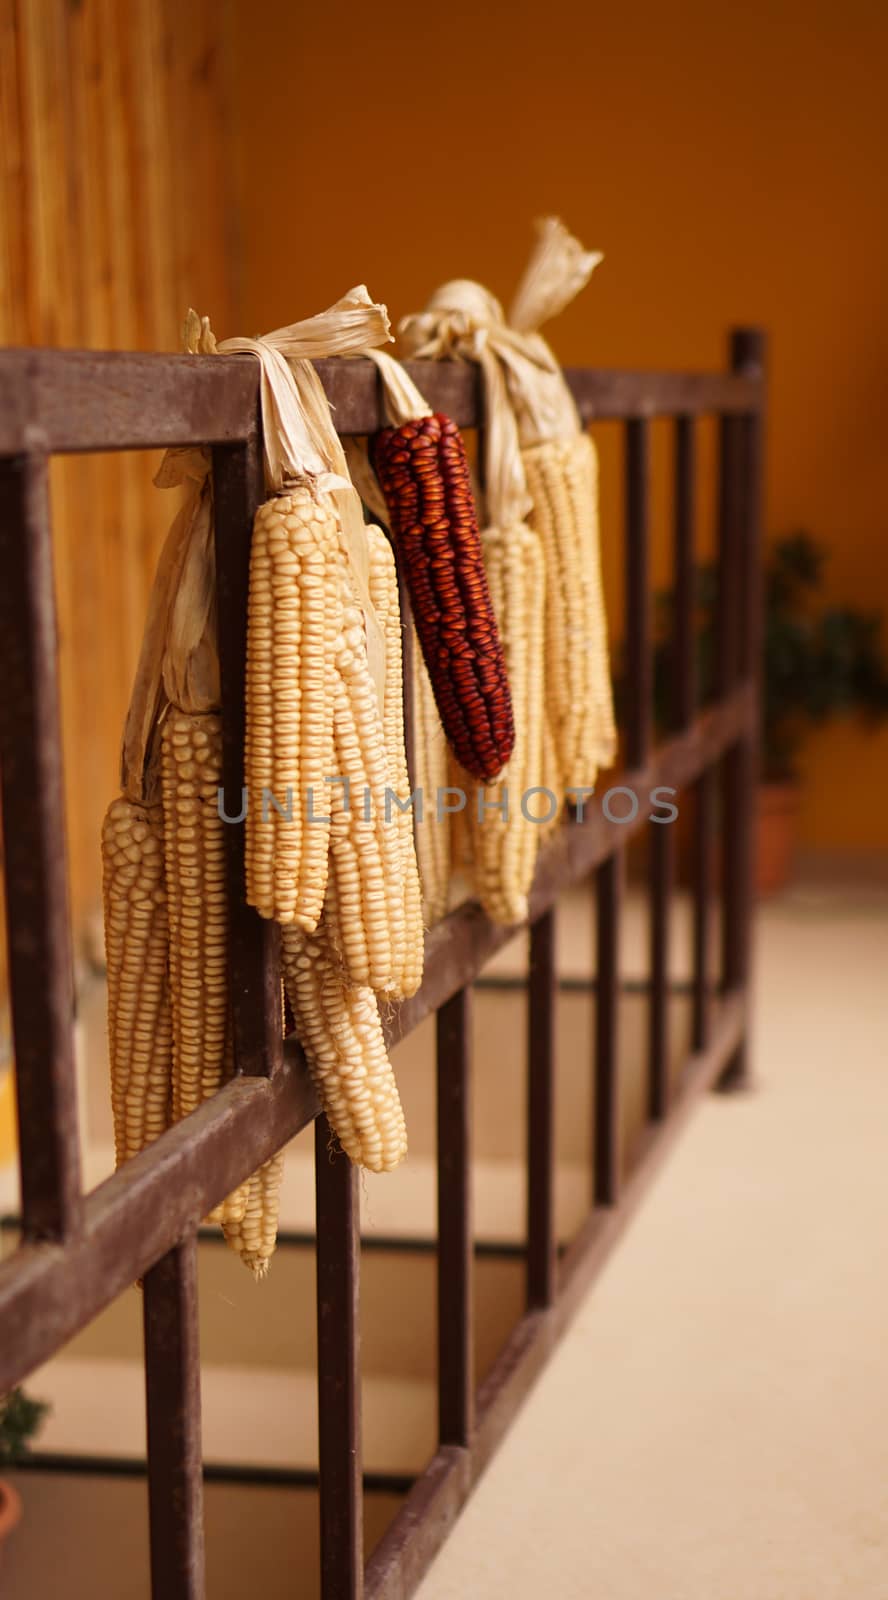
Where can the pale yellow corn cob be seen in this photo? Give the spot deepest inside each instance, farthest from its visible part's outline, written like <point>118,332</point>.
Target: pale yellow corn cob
<point>340,1031</point>
<point>562,480</point>
<point>230,1210</point>
<point>383,584</point>
<point>194,850</point>
<point>430,751</point>
<point>139,1029</point>
<point>253,1235</point>
<point>365,898</point>
<point>294,614</point>
<point>550,779</point>
<point>504,848</point>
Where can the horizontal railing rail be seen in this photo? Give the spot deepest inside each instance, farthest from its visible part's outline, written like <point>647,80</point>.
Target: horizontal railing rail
<point>70,401</point>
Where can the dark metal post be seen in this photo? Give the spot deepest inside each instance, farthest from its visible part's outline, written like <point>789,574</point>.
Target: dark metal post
<point>608,900</point>
<point>456,1375</point>
<point>705,798</point>
<point>172,1385</point>
<point>684,640</point>
<point>541,1008</point>
<point>742,761</point>
<point>639,673</point>
<point>39,937</point>
<point>339,1371</point>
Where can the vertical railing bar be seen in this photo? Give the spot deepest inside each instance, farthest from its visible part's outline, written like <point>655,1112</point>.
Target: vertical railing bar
<point>742,761</point>
<point>662,837</point>
<point>339,1371</point>
<point>541,1011</point>
<point>254,955</point>
<point>681,701</point>
<point>729,577</point>
<point>172,1388</point>
<point>702,887</point>
<point>456,1378</point>
<point>639,665</point>
<point>728,605</point>
<point>608,898</point>
<point>683,688</point>
<point>35,869</point>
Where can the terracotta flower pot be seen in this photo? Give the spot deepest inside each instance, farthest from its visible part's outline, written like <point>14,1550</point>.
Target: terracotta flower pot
<point>10,1511</point>
<point>777,819</point>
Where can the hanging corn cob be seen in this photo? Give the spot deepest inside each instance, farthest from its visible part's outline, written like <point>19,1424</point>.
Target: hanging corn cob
<point>562,477</point>
<point>323,691</point>
<point>504,834</point>
<point>432,777</point>
<point>424,475</point>
<point>560,471</point>
<point>431,755</point>
<point>194,852</point>
<point>340,1031</point>
<point>295,614</point>
<point>384,594</point>
<point>253,1233</point>
<point>550,775</point>
<point>139,1032</point>
<point>561,466</point>
<point>177,656</point>
<point>365,900</point>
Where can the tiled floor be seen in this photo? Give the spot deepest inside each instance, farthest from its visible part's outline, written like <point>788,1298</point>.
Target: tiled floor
<point>715,1424</point>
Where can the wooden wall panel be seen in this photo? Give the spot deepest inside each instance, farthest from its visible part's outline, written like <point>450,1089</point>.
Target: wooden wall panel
<point>116,213</point>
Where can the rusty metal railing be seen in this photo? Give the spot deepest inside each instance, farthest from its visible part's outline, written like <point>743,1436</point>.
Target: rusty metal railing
<point>78,1252</point>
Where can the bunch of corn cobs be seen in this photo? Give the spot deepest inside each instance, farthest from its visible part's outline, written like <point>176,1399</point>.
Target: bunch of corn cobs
<point>328,855</point>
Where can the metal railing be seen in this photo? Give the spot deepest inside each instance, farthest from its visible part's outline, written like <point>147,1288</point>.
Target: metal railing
<point>78,1252</point>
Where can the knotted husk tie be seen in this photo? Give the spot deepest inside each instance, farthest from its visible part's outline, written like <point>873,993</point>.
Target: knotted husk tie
<point>179,661</point>
<point>530,411</point>
<point>301,442</point>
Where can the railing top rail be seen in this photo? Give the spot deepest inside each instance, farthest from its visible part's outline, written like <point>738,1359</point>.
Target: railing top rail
<point>68,401</point>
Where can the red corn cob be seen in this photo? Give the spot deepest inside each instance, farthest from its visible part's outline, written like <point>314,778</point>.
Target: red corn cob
<point>424,474</point>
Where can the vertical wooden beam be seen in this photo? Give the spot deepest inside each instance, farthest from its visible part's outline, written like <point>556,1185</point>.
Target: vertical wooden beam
<point>456,1375</point>
<point>172,1387</point>
<point>339,1371</point>
<point>541,1009</point>
<point>33,800</point>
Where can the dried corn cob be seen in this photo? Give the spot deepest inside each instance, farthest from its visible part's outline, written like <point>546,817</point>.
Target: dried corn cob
<point>383,584</point>
<point>550,777</point>
<point>139,1029</point>
<point>365,899</point>
<point>194,850</point>
<point>253,1235</point>
<point>562,478</point>
<point>504,846</point>
<point>294,615</point>
<point>424,475</point>
<point>433,833</point>
<point>340,1031</point>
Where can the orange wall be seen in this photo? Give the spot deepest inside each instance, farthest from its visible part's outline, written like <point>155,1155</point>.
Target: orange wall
<point>728,160</point>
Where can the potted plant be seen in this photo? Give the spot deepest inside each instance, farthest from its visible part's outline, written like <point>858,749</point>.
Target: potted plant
<point>816,664</point>
<point>20,1419</point>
